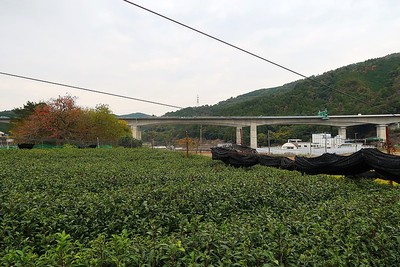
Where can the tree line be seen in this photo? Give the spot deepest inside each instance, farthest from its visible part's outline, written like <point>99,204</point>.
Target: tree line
<point>61,121</point>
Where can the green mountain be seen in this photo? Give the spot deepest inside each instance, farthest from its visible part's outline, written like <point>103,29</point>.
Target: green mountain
<point>370,87</point>
<point>135,115</point>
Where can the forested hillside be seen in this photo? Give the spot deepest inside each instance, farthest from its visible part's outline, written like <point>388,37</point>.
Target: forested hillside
<point>369,87</point>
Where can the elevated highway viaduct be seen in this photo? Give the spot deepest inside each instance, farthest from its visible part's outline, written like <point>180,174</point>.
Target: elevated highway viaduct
<point>340,121</point>
<point>381,121</point>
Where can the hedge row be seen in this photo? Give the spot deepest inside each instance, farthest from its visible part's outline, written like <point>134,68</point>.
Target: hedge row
<point>123,207</point>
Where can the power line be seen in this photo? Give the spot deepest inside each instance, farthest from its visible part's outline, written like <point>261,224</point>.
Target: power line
<point>215,38</point>
<point>247,52</point>
<point>87,89</point>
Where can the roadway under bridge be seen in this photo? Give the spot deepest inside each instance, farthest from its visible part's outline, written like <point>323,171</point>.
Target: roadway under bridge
<point>341,121</point>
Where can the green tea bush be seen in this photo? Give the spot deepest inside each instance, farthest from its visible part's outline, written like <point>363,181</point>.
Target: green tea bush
<point>142,207</point>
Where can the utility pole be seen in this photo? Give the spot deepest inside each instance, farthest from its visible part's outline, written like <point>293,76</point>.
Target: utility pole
<point>389,148</point>
<point>355,140</point>
<point>187,143</point>
<point>201,134</point>
<point>269,143</point>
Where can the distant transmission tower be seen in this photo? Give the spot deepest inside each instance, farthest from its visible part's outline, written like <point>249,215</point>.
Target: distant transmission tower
<point>198,101</point>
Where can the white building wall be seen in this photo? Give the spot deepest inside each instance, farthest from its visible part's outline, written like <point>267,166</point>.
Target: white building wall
<point>322,140</point>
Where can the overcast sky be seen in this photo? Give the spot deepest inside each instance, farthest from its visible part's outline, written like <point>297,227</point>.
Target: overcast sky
<point>111,46</point>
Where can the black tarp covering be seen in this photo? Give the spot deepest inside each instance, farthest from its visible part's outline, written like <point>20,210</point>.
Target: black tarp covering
<point>384,164</point>
<point>238,156</point>
<point>363,163</point>
<point>25,146</point>
<point>333,164</point>
<point>277,162</point>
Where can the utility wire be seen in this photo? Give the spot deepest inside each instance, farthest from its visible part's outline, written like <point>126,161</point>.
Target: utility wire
<point>87,89</point>
<point>248,52</point>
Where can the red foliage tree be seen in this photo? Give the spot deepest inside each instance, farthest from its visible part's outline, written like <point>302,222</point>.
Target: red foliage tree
<point>62,121</point>
<point>57,119</point>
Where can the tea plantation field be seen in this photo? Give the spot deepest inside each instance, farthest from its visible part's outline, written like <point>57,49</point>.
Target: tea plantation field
<point>142,207</point>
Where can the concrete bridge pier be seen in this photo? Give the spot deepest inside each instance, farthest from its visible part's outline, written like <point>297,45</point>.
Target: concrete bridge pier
<point>136,132</point>
<point>342,132</point>
<point>381,131</point>
<point>239,135</point>
<point>253,135</point>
